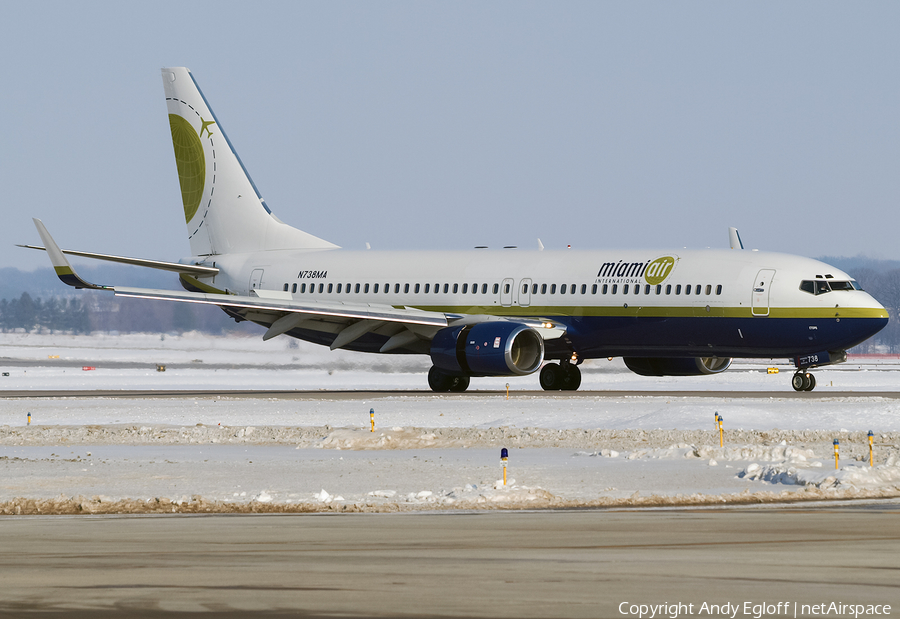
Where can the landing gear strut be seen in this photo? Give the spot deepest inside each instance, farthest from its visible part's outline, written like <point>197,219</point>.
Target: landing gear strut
<point>803,381</point>
<point>560,377</point>
<point>442,383</point>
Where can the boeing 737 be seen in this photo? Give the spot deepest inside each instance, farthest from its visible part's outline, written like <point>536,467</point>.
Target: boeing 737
<point>481,312</point>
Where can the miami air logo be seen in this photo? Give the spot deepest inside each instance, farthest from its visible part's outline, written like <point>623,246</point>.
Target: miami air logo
<point>653,271</point>
<point>658,270</point>
<point>191,162</point>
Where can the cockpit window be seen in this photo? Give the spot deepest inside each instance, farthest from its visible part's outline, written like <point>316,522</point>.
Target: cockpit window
<point>836,285</point>
<point>815,287</point>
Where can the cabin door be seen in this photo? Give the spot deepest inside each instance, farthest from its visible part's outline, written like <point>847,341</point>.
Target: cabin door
<point>761,286</point>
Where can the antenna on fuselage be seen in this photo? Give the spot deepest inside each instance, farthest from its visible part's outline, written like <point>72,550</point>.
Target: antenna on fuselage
<point>735,239</point>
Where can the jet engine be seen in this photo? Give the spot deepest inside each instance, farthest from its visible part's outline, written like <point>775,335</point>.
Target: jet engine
<point>677,366</point>
<point>497,348</point>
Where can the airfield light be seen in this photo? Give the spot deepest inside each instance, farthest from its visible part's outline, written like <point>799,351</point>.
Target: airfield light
<point>836,447</point>
<point>372,418</point>
<point>504,457</point>
<point>29,419</point>
<point>721,432</point>
<point>507,391</point>
<point>871,438</point>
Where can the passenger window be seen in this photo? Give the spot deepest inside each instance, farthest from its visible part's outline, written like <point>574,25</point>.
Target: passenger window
<point>668,288</point>
<point>719,289</point>
<point>697,289</point>
<point>614,288</point>
<point>417,288</point>
<point>678,289</point>
<point>647,289</point>
<point>396,288</point>
<point>356,289</point>
<point>465,288</point>
<point>456,288</point>
<point>387,289</point>
<point>637,289</point>
<point>524,288</point>
<point>594,289</point>
<point>347,288</point>
<point>405,288</point>
<point>374,289</point>
<point>321,288</point>
<point>339,288</point>
<point>302,288</point>
<point>330,288</point>
<point>506,289</point>
<point>583,288</point>
<point>552,288</point>
<point>562,289</point>
<point>497,288</point>
<point>285,287</point>
<point>687,289</point>
<point>474,288</point>
<point>624,289</point>
<point>605,288</point>
<point>446,288</point>
<point>294,289</point>
<point>708,289</point>
<point>366,289</point>
<point>543,288</point>
<point>427,288</point>
<point>658,288</point>
<point>483,288</point>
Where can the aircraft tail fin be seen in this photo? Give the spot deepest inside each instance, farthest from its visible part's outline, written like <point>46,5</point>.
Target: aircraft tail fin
<point>223,209</point>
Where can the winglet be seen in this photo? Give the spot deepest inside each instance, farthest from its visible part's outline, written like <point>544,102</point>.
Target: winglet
<point>63,269</point>
<point>734,239</point>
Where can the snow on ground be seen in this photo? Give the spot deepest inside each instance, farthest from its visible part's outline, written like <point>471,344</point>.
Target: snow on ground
<point>231,453</point>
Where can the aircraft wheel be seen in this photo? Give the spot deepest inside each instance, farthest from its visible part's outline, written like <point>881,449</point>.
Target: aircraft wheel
<point>801,381</point>
<point>812,382</point>
<point>438,381</point>
<point>551,377</point>
<point>460,383</point>
<point>571,377</point>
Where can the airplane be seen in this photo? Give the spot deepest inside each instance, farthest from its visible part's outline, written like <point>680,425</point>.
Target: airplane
<point>481,312</point>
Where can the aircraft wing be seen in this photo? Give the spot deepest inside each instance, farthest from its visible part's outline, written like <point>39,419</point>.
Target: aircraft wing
<point>281,312</point>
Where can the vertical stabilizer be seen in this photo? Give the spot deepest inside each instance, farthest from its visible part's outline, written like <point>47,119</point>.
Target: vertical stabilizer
<point>222,207</point>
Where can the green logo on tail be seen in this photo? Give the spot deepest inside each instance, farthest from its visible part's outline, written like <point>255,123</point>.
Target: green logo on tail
<point>191,163</point>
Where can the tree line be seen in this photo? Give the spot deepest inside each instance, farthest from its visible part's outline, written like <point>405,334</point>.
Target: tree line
<point>108,314</point>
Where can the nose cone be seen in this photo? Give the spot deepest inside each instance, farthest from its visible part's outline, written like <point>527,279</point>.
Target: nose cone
<point>868,317</point>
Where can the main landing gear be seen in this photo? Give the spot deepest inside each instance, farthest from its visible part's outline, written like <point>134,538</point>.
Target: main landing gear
<point>442,383</point>
<point>803,381</point>
<point>561,377</point>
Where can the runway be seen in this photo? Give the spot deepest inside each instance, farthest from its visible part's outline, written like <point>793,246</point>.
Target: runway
<point>309,395</point>
<point>496,564</point>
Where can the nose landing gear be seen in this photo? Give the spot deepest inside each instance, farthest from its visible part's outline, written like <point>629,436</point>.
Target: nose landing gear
<point>803,381</point>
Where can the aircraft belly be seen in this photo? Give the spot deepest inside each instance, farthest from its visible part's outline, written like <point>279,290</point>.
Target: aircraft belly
<point>595,337</point>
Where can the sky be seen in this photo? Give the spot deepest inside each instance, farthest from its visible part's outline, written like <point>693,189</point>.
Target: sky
<point>417,125</point>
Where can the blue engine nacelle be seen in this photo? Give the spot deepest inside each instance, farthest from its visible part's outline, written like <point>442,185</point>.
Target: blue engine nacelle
<point>677,366</point>
<point>497,348</point>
